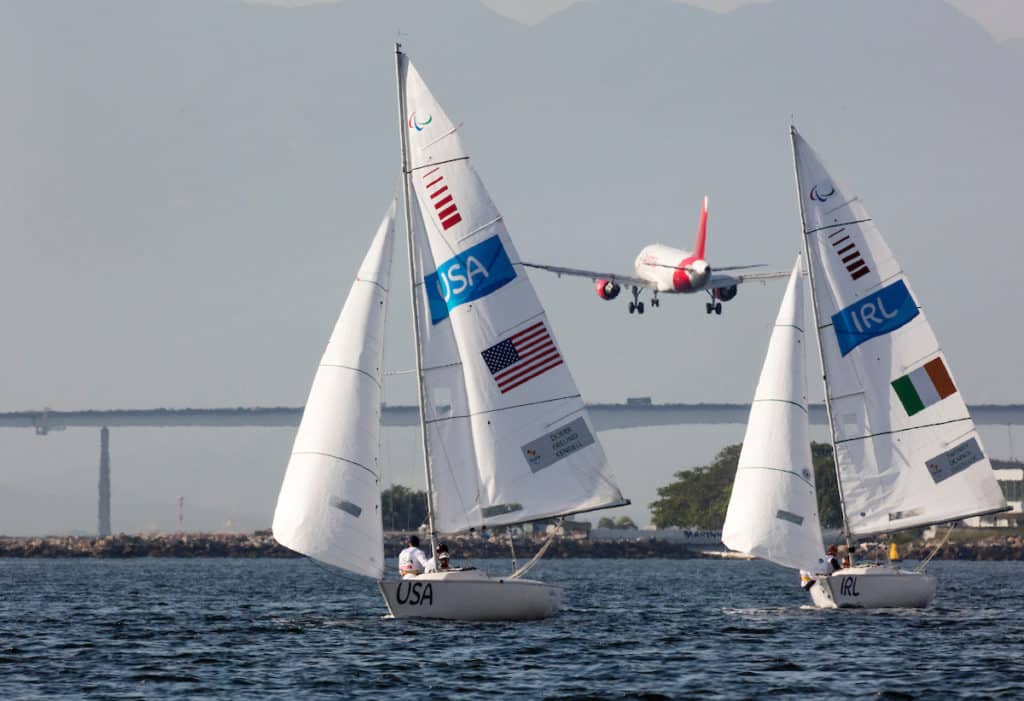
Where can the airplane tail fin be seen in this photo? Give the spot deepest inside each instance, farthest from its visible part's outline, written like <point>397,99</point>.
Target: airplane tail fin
<point>702,231</point>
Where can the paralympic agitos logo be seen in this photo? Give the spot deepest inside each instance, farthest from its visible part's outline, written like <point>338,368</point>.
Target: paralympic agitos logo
<point>820,193</point>
<point>419,123</point>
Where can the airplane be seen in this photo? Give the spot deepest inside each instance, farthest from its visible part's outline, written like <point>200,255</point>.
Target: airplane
<point>667,270</point>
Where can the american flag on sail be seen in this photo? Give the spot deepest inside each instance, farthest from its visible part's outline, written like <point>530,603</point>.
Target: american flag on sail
<point>522,356</point>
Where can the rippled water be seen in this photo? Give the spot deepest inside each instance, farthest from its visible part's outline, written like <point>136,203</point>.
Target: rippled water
<point>152,628</point>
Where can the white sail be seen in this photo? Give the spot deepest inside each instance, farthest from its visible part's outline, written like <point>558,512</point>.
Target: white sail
<point>508,437</point>
<point>906,448</point>
<point>773,510</point>
<point>329,504</point>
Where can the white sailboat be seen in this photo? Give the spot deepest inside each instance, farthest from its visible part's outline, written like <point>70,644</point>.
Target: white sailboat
<point>906,449</point>
<point>506,437</point>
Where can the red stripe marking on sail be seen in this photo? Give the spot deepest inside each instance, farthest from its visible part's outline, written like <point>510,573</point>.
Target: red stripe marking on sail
<point>855,254</point>
<point>836,243</point>
<point>860,273</point>
<point>837,232</point>
<point>435,182</point>
<point>844,250</point>
<point>449,223</point>
<point>443,188</point>
<point>448,211</point>
<point>442,203</point>
<point>430,172</point>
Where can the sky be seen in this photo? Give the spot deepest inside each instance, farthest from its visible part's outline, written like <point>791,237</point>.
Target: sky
<point>188,187</point>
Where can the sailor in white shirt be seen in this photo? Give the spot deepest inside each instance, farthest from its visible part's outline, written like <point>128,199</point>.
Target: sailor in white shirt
<point>412,561</point>
<point>439,563</point>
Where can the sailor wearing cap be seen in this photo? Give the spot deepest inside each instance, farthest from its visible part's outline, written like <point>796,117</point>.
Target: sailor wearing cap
<point>439,562</point>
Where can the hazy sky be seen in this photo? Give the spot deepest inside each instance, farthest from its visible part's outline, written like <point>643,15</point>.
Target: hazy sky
<point>188,187</point>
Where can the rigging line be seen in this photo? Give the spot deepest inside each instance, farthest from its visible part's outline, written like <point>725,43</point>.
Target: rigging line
<point>779,469</point>
<point>792,326</point>
<point>920,568</point>
<point>781,401</point>
<point>338,458</point>
<point>902,430</point>
<point>832,226</point>
<point>349,367</point>
<point>505,408</point>
<point>437,163</point>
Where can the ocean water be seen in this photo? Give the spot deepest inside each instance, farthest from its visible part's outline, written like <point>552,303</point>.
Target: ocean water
<point>646,629</point>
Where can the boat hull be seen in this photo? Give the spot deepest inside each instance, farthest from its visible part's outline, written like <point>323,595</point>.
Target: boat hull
<point>872,587</point>
<point>470,595</point>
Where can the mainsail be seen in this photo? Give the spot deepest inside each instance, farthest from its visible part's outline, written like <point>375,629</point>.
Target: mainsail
<point>508,438</point>
<point>906,449</point>
<point>773,510</point>
<point>329,504</point>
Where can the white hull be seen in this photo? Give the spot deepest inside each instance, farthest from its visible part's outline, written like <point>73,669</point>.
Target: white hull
<point>872,587</point>
<point>470,595</point>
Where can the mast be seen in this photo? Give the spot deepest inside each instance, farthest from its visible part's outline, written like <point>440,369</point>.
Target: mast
<point>817,335</point>
<point>406,174</point>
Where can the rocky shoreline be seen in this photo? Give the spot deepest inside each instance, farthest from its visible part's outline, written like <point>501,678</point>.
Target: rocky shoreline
<point>262,544</point>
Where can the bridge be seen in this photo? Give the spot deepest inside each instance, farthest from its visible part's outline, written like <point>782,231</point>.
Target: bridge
<point>637,412</point>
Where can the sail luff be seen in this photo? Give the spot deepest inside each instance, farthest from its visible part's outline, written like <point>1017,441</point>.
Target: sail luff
<point>817,333</point>
<point>406,175</point>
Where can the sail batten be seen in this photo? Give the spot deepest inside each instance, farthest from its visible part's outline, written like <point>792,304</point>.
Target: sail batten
<point>907,453</point>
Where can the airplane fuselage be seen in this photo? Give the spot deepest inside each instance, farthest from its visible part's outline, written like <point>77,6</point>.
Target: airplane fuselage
<point>672,269</point>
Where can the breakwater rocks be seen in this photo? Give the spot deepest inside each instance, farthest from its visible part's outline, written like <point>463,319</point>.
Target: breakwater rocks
<point>262,544</point>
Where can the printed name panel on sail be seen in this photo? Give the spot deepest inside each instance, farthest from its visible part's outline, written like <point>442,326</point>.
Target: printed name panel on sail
<point>876,314</point>
<point>475,273</point>
<point>561,443</point>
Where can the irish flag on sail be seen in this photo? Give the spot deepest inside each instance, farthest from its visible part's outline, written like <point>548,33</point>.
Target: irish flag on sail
<point>925,386</point>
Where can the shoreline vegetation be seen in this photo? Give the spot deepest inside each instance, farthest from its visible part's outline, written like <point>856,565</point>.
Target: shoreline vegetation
<point>986,545</point>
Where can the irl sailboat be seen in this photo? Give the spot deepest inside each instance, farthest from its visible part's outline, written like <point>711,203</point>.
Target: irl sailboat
<point>506,438</point>
<point>906,450</point>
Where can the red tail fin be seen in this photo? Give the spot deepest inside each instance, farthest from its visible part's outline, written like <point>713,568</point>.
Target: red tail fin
<point>702,231</point>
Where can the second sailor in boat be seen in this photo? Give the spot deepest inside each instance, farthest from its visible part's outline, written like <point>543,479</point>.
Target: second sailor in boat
<point>833,558</point>
<point>440,561</point>
<point>412,561</point>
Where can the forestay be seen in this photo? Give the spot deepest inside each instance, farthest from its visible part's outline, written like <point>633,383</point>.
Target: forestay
<point>508,437</point>
<point>906,448</point>
<point>329,504</point>
<point>773,510</point>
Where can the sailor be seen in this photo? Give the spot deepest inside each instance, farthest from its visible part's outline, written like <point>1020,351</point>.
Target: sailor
<point>833,558</point>
<point>806,580</point>
<point>439,563</point>
<point>412,561</point>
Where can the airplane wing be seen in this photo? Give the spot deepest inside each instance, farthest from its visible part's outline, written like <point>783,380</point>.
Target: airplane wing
<point>592,274</point>
<point>720,280</point>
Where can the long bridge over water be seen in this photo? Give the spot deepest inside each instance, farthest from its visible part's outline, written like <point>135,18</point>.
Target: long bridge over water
<point>633,413</point>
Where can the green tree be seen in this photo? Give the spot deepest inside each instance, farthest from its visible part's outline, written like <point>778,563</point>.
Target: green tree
<point>403,509</point>
<point>621,523</point>
<point>699,497</point>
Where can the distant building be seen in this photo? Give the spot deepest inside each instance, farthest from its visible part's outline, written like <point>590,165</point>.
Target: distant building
<point>1010,476</point>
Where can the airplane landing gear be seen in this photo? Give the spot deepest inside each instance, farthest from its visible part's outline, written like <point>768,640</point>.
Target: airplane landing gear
<point>713,305</point>
<point>636,305</point>
<point>655,302</point>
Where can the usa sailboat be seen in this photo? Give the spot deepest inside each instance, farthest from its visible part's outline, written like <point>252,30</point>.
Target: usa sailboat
<point>506,438</point>
<point>907,452</point>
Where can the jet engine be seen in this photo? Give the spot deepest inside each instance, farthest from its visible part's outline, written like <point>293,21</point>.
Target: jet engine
<point>725,293</point>
<point>607,289</point>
